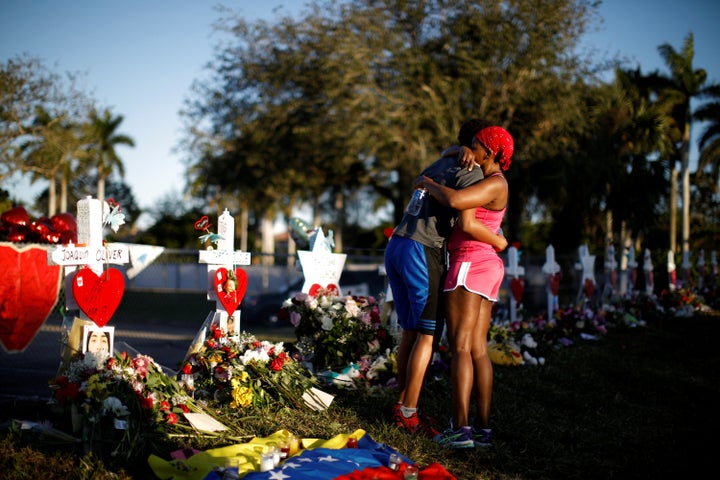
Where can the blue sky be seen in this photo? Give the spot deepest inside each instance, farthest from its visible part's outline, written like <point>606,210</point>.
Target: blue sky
<point>140,57</point>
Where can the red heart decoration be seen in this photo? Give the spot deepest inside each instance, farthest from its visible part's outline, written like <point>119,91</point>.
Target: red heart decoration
<point>554,281</point>
<point>98,296</point>
<point>517,285</point>
<point>203,223</point>
<point>64,224</point>
<point>17,234</point>
<point>16,216</point>
<point>230,300</point>
<point>589,287</point>
<point>330,289</point>
<point>28,293</point>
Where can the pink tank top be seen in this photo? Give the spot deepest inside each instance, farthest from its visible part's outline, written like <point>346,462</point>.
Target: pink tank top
<point>462,242</point>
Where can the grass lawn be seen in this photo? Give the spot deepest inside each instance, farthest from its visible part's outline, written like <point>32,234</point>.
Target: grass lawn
<point>640,403</point>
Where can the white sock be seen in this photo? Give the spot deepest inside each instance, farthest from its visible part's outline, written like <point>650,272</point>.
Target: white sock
<point>407,411</point>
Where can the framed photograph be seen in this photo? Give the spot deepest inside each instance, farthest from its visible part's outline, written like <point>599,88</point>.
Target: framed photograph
<point>231,324</point>
<point>96,339</point>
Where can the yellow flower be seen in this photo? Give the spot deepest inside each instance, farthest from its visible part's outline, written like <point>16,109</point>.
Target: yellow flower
<point>242,397</point>
<point>95,387</point>
<point>215,358</point>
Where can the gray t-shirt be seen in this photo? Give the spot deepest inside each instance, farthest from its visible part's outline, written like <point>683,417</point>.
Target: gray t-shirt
<point>434,223</point>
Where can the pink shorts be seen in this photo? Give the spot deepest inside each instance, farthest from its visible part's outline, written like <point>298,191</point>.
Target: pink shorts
<point>481,275</point>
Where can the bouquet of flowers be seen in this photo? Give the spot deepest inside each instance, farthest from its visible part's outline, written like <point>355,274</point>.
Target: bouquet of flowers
<point>122,403</point>
<point>245,372</point>
<point>334,331</point>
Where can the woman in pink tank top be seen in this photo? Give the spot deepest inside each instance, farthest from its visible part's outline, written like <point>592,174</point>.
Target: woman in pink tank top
<point>472,285</point>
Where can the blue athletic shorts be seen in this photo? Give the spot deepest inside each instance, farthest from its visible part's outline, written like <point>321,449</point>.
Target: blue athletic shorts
<point>416,274</point>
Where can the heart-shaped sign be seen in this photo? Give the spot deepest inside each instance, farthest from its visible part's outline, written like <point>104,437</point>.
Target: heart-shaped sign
<point>330,289</point>
<point>98,296</point>
<point>517,285</point>
<point>230,291</point>
<point>28,293</point>
<point>589,287</point>
<point>203,223</point>
<point>554,282</point>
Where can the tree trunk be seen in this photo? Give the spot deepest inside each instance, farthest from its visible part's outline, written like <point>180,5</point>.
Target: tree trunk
<point>52,197</point>
<point>243,225</point>
<point>685,156</point>
<point>101,188</point>
<point>673,207</point>
<point>268,239</point>
<point>340,220</point>
<point>63,194</point>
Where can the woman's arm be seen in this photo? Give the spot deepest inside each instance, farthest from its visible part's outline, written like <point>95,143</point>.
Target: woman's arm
<point>479,231</point>
<point>480,194</point>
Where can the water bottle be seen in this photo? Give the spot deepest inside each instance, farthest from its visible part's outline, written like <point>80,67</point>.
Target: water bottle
<point>416,202</point>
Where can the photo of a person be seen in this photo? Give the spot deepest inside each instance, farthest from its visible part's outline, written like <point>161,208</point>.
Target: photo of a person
<point>231,329</point>
<point>97,340</point>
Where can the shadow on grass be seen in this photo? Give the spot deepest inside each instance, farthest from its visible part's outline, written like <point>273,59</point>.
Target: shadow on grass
<point>634,404</point>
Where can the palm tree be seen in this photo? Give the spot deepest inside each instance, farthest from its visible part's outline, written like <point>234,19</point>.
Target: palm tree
<point>52,153</point>
<point>102,140</point>
<point>629,128</point>
<point>684,84</point>
<point>709,143</point>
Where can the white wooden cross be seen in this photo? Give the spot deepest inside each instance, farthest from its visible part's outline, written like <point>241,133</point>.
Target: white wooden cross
<point>628,270</point>
<point>611,266</point>
<point>672,270</point>
<point>686,269</point>
<point>513,271</point>
<point>550,269</point>
<point>648,269</point>
<point>225,256</point>
<point>89,252</point>
<point>586,265</point>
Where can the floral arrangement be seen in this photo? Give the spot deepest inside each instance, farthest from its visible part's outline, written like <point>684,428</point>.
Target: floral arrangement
<point>122,403</point>
<point>334,331</point>
<point>245,372</point>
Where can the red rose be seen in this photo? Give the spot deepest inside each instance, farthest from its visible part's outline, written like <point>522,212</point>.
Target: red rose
<point>277,364</point>
<point>171,418</point>
<point>110,363</point>
<point>164,406</point>
<point>184,408</point>
<point>187,369</point>
<point>146,403</point>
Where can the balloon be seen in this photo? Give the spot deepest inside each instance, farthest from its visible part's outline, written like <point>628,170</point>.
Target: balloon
<point>16,216</point>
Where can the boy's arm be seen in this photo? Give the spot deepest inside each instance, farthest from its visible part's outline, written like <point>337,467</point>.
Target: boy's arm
<point>479,231</point>
<point>465,156</point>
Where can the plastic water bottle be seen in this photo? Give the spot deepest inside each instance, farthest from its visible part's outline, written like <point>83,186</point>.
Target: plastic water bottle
<point>416,202</point>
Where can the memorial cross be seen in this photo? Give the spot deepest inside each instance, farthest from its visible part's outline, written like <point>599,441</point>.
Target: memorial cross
<point>686,269</point>
<point>552,271</point>
<point>648,269</point>
<point>221,261</point>
<point>672,270</point>
<point>701,269</point>
<point>517,283</point>
<point>628,270</point>
<point>586,265</point>
<point>90,252</point>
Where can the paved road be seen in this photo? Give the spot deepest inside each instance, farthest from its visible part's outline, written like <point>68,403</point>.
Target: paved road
<point>25,375</point>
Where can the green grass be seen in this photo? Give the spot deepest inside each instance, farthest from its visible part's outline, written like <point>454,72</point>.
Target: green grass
<point>634,404</point>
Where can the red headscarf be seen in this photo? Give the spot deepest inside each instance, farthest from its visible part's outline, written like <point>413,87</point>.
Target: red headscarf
<point>499,142</point>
